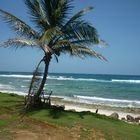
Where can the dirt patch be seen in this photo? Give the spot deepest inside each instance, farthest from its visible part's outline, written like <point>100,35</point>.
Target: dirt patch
<point>25,135</point>
<point>39,130</point>
<point>5,116</point>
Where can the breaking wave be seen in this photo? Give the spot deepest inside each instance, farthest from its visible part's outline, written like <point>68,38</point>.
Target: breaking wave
<point>17,76</point>
<point>126,81</point>
<point>104,101</point>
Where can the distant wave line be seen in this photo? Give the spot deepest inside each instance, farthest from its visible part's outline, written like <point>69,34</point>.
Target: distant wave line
<point>63,78</point>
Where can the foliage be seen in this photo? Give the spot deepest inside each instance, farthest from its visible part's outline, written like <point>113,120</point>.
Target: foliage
<point>55,30</point>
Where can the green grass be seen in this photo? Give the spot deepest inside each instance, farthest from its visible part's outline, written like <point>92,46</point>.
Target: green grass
<point>10,99</point>
<point>8,104</point>
<point>87,123</point>
<point>111,128</point>
<point>5,122</point>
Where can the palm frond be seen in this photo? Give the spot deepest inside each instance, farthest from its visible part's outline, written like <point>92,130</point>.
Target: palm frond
<point>57,11</point>
<point>18,25</point>
<point>89,52</point>
<point>103,43</point>
<point>67,29</point>
<point>82,34</point>
<point>48,37</point>
<point>61,43</point>
<point>38,14</point>
<point>77,50</point>
<point>77,17</point>
<point>82,31</point>
<point>84,42</point>
<point>18,42</point>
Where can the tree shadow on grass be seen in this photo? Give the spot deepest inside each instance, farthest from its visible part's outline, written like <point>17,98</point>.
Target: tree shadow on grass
<point>56,111</point>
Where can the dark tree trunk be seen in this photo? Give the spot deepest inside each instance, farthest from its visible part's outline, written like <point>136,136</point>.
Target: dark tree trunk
<point>47,62</point>
<point>35,100</point>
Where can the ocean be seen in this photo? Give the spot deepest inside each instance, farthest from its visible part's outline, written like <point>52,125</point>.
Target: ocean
<point>98,89</point>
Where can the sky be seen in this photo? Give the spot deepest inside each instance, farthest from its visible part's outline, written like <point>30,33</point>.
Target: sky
<point>117,22</point>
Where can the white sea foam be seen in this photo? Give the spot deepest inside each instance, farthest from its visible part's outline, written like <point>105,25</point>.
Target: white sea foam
<point>65,78</point>
<point>61,78</point>
<point>126,81</point>
<point>10,89</point>
<point>104,101</point>
<point>17,76</point>
<point>23,86</point>
<point>2,86</point>
<point>26,80</point>
<point>55,84</point>
<point>15,92</point>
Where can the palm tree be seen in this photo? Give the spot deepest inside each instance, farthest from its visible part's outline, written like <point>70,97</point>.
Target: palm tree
<point>55,32</point>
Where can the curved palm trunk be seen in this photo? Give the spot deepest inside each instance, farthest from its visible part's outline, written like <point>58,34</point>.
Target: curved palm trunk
<point>37,99</point>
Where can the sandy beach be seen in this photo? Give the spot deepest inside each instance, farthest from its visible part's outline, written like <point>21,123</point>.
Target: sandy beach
<point>103,110</point>
<point>100,111</point>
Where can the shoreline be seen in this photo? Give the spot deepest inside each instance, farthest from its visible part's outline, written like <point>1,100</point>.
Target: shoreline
<point>103,110</point>
<point>100,111</point>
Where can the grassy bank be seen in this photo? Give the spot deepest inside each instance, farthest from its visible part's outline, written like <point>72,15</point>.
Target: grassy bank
<point>56,123</point>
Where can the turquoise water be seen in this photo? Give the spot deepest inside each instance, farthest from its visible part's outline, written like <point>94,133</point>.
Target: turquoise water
<point>112,90</point>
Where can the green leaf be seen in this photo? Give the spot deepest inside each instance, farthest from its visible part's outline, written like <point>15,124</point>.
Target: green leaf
<point>76,18</point>
<point>50,34</point>
<point>18,25</point>
<point>57,11</point>
<point>38,14</point>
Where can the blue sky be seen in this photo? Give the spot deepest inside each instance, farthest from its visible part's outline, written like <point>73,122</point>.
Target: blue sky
<point>117,22</point>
